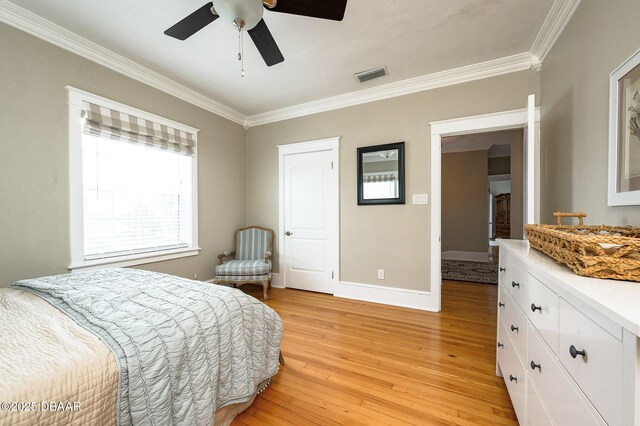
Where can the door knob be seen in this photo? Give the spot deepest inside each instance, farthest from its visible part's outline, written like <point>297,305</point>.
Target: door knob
<point>288,233</point>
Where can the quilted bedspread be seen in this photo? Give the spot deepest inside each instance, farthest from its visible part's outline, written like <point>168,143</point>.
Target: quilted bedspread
<point>46,359</point>
<point>184,348</point>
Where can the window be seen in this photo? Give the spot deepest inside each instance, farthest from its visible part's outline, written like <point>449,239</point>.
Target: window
<point>380,189</point>
<point>136,199</point>
<point>380,185</point>
<point>133,186</point>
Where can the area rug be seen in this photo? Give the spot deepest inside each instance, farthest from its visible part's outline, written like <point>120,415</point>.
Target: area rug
<point>464,270</point>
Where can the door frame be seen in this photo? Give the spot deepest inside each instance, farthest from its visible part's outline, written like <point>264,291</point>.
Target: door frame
<point>515,119</point>
<point>328,144</point>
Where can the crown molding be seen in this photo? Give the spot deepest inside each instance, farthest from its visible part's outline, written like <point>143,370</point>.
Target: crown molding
<point>35,25</point>
<point>559,15</point>
<point>496,67</point>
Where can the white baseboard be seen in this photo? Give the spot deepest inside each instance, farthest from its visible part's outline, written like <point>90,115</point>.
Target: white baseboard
<point>276,282</point>
<point>406,298</point>
<point>403,297</point>
<point>466,255</point>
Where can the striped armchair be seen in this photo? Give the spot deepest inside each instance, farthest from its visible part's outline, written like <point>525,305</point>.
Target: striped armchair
<point>251,262</point>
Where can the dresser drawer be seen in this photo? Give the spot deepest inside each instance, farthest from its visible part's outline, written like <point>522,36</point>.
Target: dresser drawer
<point>517,282</point>
<point>593,357</point>
<point>514,321</point>
<point>536,414</point>
<point>504,268</point>
<point>564,403</point>
<point>543,311</point>
<point>513,373</point>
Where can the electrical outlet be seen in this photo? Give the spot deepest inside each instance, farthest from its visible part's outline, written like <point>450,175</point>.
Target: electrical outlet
<point>381,274</point>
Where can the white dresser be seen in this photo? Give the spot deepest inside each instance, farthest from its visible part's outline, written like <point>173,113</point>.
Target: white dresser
<point>568,346</point>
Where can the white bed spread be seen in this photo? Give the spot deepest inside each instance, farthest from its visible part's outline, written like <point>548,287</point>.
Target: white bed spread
<point>46,358</point>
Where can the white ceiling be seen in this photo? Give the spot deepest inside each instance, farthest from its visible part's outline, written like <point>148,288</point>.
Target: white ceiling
<point>411,37</point>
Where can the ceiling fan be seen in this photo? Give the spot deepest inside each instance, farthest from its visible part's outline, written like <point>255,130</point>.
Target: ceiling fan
<point>247,15</point>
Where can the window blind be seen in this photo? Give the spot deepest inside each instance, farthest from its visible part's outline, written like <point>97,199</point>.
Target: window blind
<point>136,199</point>
<point>382,177</point>
<point>116,125</point>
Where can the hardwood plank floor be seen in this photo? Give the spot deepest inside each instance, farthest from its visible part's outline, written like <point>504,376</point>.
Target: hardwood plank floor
<point>358,363</point>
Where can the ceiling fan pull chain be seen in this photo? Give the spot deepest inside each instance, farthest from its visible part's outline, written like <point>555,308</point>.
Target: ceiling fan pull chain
<point>241,50</point>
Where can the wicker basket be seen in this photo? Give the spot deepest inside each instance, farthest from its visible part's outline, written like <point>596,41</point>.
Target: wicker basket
<point>593,251</point>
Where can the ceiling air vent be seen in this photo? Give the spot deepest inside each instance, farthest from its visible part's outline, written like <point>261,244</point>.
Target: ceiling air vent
<point>371,74</point>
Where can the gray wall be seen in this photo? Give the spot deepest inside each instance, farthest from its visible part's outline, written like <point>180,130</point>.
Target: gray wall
<point>575,107</point>
<point>500,166</point>
<point>34,203</point>
<point>465,209</point>
<point>402,230</point>
<point>380,166</point>
<point>237,170</point>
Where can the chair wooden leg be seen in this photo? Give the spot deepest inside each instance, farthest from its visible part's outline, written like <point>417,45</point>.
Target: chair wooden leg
<point>269,283</point>
<point>265,285</point>
<point>281,359</point>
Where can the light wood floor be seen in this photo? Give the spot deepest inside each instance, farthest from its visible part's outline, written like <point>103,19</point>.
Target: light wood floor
<point>361,363</point>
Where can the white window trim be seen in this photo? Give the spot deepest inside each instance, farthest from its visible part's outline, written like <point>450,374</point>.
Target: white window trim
<point>76,197</point>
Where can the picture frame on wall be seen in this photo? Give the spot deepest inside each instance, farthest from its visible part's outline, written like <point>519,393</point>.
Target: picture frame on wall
<point>381,174</point>
<point>624,134</point>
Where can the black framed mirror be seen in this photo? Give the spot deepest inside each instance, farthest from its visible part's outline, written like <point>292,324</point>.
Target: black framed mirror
<point>381,174</point>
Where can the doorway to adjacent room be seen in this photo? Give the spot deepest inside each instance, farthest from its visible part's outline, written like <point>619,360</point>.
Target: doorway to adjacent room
<point>482,199</point>
<point>527,119</point>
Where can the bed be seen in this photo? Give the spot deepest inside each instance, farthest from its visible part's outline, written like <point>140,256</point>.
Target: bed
<point>124,346</point>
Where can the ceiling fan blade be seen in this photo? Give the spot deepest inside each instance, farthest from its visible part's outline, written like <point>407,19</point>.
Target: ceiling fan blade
<point>192,23</point>
<point>324,9</point>
<point>265,43</point>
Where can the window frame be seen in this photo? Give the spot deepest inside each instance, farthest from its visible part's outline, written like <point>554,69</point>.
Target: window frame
<point>76,193</point>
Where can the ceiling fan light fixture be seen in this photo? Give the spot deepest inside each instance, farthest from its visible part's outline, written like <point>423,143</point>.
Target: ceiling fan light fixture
<point>236,11</point>
<point>388,154</point>
<point>247,15</point>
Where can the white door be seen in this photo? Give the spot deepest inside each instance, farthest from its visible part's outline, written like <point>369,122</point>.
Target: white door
<point>310,220</point>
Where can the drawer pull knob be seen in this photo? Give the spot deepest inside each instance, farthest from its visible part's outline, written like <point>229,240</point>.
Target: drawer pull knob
<point>514,328</point>
<point>574,352</point>
<point>534,366</point>
<point>515,284</point>
<point>500,345</point>
<point>535,308</point>
<point>502,269</point>
<point>500,304</point>
<point>513,379</point>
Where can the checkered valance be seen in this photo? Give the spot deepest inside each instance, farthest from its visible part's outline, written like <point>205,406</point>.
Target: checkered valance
<point>382,177</point>
<point>112,124</point>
